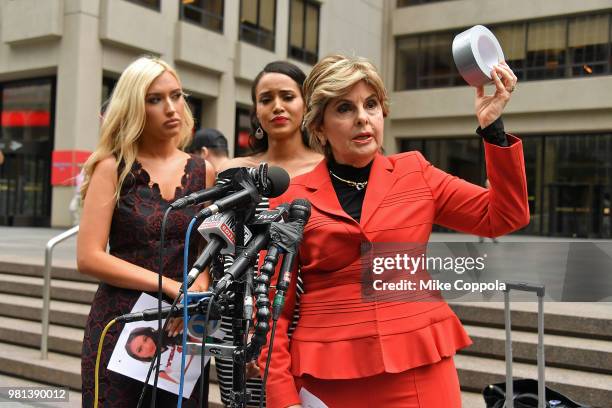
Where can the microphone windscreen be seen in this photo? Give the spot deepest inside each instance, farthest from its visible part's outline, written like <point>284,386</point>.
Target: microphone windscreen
<point>278,180</point>
<point>300,210</point>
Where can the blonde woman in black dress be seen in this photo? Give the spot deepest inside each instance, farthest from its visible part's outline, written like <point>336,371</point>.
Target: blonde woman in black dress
<point>134,174</point>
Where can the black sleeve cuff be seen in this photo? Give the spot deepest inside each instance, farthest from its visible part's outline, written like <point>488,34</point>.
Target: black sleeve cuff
<point>494,133</point>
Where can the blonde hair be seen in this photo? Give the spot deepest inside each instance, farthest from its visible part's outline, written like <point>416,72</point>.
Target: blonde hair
<point>124,119</point>
<point>333,77</point>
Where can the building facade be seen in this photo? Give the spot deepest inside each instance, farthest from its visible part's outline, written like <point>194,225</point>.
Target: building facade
<point>561,51</point>
<point>59,60</point>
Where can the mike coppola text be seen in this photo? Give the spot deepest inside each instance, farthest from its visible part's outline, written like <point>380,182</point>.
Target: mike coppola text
<point>410,266</point>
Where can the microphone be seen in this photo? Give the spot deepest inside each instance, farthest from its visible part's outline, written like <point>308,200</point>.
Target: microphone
<point>262,222</point>
<point>276,183</point>
<point>256,244</point>
<point>152,314</point>
<point>218,230</point>
<point>299,213</point>
<point>279,214</point>
<point>263,177</point>
<point>202,195</point>
<point>244,261</point>
<point>220,226</point>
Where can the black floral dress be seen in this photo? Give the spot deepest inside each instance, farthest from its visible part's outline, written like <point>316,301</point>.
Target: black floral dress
<point>135,237</point>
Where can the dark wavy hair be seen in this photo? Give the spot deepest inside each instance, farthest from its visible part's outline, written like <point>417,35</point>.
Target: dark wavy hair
<point>278,67</point>
<point>148,332</point>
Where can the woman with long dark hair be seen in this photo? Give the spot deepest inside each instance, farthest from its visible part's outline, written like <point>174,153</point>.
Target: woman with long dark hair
<point>279,139</point>
<point>277,133</point>
<point>142,343</point>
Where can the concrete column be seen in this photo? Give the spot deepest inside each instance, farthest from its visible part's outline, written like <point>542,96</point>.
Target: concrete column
<point>223,109</point>
<point>79,92</point>
<point>281,42</point>
<point>387,65</point>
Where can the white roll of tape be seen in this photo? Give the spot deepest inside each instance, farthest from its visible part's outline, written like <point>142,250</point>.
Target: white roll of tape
<point>475,52</point>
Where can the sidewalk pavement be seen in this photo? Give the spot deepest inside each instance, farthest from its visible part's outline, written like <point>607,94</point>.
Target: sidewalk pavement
<point>27,245</point>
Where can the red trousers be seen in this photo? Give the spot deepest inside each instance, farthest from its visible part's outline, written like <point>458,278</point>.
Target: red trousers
<point>431,386</point>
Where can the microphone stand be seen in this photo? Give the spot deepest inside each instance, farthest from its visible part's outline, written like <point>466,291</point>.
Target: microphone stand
<point>238,395</point>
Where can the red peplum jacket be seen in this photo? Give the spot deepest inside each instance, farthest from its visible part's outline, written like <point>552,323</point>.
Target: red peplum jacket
<point>339,336</point>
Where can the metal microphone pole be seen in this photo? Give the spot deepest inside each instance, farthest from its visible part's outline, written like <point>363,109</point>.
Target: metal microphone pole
<point>238,396</point>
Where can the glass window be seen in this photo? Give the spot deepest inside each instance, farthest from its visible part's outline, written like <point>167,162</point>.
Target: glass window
<point>406,63</point>
<point>546,49</point>
<point>196,106</point>
<point>243,130</point>
<point>534,166</point>
<point>267,14</point>
<point>248,11</point>
<point>589,45</point>
<point>569,179</point>
<point>207,13</point>
<point>257,21</point>
<point>558,48</point>
<point>462,157</point>
<point>108,85</point>
<point>577,185</point>
<point>513,40</point>
<point>409,145</point>
<point>304,31</point>
<point>296,25</point>
<point>26,139</point>
<point>152,4</point>
<point>436,65</point>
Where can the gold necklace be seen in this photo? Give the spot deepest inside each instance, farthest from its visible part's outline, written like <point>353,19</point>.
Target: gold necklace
<point>358,185</point>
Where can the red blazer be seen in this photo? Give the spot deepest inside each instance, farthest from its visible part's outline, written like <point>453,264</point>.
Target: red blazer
<point>339,336</point>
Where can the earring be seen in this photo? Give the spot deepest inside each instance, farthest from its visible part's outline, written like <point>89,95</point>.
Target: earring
<point>259,134</point>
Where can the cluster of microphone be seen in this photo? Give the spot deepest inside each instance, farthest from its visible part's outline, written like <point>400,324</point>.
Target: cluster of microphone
<point>241,190</point>
<point>278,231</point>
<point>284,239</point>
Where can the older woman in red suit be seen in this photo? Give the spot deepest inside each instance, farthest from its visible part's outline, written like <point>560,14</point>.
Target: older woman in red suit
<point>346,351</point>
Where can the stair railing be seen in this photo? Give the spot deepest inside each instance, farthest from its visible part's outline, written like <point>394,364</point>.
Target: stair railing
<point>44,339</point>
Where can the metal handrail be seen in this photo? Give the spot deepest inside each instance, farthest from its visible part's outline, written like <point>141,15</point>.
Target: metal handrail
<point>44,346</point>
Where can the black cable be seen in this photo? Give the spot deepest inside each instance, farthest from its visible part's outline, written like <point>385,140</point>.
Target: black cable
<point>203,351</point>
<point>146,383</point>
<point>156,359</point>
<point>265,376</point>
<point>248,315</point>
<point>245,340</point>
<point>159,307</point>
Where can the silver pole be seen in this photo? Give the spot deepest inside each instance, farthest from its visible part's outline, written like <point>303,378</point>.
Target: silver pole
<point>509,390</point>
<point>44,339</point>
<point>541,379</point>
